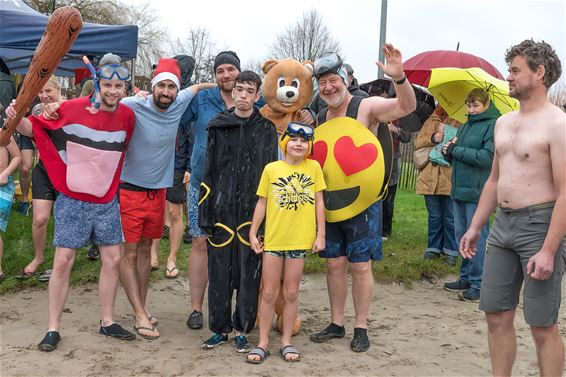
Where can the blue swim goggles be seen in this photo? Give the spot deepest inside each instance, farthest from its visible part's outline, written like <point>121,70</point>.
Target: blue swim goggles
<point>300,129</point>
<point>108,72</point>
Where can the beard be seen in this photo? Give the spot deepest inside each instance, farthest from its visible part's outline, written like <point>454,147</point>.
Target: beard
<point>161,104</point>
<point>335,100</point>
<point>227,86</point>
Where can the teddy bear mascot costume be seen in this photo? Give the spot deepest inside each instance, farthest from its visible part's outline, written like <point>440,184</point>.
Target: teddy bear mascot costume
<point>287,89</point>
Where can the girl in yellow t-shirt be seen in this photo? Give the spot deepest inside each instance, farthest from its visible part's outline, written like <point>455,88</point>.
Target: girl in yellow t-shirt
<point>290,200</point>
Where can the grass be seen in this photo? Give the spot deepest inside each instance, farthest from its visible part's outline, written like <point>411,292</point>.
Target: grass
<point>402,252</point>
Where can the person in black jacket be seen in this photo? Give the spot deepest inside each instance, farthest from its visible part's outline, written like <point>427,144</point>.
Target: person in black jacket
<point>240,143</point>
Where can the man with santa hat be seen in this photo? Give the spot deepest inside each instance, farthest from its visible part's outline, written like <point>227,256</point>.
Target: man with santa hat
<point>147,172</point>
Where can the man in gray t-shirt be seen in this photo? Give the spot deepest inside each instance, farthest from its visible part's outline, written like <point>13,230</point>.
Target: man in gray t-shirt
<point>147,172</point>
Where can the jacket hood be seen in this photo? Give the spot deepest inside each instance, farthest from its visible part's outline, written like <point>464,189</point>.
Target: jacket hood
<point>490,113</point>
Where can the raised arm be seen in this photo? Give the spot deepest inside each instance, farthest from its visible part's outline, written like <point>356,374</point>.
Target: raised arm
<point>385,110</point>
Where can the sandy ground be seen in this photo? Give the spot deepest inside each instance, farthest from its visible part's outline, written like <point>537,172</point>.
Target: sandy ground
<point>417,331</point>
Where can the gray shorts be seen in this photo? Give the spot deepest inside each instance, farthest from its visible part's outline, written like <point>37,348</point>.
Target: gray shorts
<point>517,235</point>
<point>77,223</point>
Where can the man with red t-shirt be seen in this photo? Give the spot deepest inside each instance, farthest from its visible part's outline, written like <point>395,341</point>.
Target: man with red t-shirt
<point>83,149</point>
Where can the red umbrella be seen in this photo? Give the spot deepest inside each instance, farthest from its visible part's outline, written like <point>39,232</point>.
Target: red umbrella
<point>418,67</point>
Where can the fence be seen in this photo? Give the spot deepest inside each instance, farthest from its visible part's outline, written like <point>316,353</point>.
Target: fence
<point>408,172</point>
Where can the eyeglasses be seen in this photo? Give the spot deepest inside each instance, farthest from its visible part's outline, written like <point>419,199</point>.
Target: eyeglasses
<point>299,129</point>
<point>108,71</point>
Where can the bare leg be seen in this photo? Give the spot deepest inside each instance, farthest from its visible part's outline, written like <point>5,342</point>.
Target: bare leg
<point>154,253</point>
<point>502,341</point>
<point>272,269</point>
<point>144,267</point>
<point>550,350</point>
<point>25,170</point>
<point>362,291</point>
<point>130,280</point>
<point>175,232</point>
<point>108,282</point>
<point>337,281</point>
<point>198,272</point>
<point>41,214</point>
<point>291,280</point>
<point>59,285</point>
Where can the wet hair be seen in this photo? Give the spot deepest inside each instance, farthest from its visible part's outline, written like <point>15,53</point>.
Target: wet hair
<point>537,53</point>
<point>479,95</point>
<point>249,77</point>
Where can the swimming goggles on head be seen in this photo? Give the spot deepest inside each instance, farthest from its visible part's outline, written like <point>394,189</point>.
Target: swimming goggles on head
<point>300,129</point>
<point>108,71</point>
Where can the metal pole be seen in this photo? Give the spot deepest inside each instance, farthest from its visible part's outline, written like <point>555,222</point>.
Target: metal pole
<point>382,30</point>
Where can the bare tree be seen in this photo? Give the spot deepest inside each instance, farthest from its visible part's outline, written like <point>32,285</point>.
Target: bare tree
<point>200,46</point>
<point>150,36</point>
<point>113,12</point>
<point>99,12</point>
<point>306,39</point>
<point>557,94</point>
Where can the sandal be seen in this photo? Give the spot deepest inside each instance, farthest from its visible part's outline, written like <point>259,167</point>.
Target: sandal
<point>44,276</point>
<point>148,337</point>
<point>263,354</point>
<point>171,273</point>
<point>289,350</point>
<point>24,275</point>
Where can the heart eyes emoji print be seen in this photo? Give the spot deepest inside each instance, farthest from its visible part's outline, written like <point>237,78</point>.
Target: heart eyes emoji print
<point>352,162</point>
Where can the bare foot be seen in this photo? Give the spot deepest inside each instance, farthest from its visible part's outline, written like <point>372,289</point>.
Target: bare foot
<point>256,357</point>
<point>32,266</point>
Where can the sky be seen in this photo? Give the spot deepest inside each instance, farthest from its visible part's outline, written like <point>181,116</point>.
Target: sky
<point>481,27</point>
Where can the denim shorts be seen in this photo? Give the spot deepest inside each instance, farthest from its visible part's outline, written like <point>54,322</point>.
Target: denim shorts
<point>192,205</point>
<point>358,238</point>
<point>78,223</point>
<point>288,254</point>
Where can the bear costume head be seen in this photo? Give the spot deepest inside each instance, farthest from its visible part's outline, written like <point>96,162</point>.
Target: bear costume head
<point>287,88</point>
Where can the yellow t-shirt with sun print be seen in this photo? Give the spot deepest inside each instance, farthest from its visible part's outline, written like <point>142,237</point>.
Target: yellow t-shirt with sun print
<point>290,220</point>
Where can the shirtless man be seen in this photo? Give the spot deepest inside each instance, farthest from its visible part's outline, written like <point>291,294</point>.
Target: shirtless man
<point>526,243</point>
<point>355,241</point>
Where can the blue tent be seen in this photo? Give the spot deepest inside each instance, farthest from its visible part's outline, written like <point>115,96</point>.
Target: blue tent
<point>21,29</point>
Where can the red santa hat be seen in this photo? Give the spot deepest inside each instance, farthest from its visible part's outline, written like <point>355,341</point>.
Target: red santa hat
<point>167,69</point>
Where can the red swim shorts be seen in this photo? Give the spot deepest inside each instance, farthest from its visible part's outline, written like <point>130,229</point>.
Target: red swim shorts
<point>142,214</point>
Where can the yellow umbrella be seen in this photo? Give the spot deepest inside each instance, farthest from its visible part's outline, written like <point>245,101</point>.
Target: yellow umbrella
<point>451,86</point>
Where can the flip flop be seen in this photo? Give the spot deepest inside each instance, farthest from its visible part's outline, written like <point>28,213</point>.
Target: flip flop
<point>2,276</point>
<point>169,273</point>
<point>289,350</point>
<point>152,319</point>
<point>44,276</point>
<point>154,268</point>
<point>263,354</point>
<point>26,275</point>
<point>148,337</point>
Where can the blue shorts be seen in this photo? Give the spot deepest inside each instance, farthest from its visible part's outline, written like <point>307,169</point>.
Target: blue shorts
<point>6,196</point>
<point>192,206</point>
<point>78,223</point>
<point>358,238</point>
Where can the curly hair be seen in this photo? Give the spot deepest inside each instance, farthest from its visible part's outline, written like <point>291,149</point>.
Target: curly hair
<point>537,53</point>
